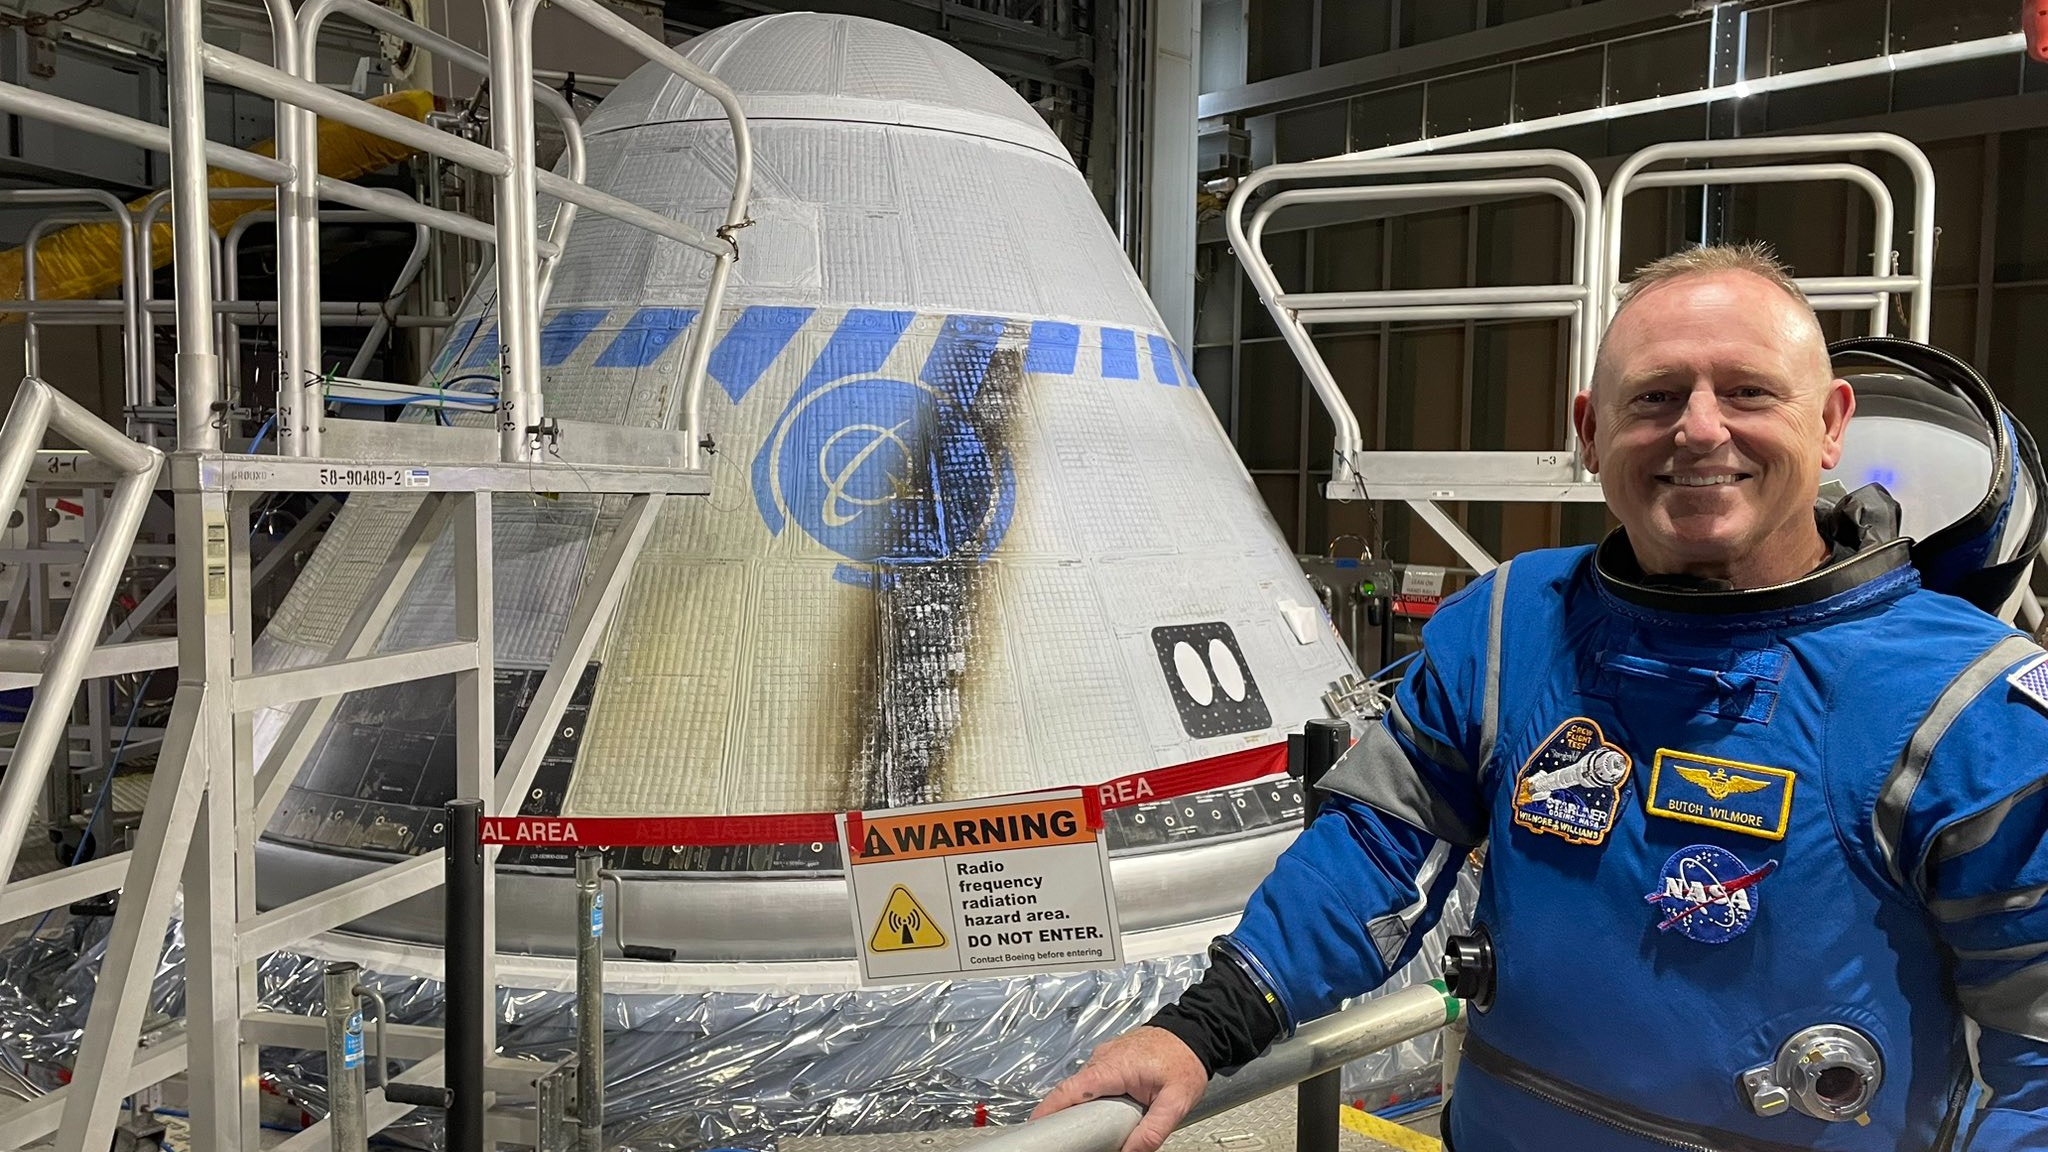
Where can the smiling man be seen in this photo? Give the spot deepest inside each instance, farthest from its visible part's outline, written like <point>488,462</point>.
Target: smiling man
<point>1718,467</point>
<point>1764,818</point>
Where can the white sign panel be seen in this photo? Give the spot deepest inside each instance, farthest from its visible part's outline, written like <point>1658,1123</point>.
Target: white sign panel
<point>981,888</point>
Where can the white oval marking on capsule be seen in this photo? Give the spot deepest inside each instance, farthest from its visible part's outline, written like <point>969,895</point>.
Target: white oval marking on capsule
<point>1229,674</point>
<point>1194,675</point>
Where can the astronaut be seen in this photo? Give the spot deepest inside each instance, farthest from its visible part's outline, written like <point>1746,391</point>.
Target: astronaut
<point>1825,851</point>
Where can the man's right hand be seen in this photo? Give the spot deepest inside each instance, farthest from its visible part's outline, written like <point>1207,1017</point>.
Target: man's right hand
<point>1150,1065</point>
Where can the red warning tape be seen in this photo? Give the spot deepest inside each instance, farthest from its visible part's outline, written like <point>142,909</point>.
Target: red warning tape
<point>815,827</point>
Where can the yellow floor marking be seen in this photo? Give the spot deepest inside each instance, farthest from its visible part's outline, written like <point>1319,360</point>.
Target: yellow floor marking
<point>1387,1132</point>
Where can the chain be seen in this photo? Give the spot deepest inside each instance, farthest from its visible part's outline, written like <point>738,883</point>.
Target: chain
<point>35,23</point>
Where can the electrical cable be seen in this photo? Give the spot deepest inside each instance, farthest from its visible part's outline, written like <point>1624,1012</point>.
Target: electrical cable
<point>106,785</point>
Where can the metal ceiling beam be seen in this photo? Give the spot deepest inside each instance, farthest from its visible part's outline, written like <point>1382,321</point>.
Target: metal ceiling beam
<point>965,28</point>
<point>1930,125</point>
<point>1519,38</point>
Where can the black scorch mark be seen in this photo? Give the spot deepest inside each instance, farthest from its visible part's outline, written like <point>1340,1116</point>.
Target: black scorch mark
<point>931,589</point>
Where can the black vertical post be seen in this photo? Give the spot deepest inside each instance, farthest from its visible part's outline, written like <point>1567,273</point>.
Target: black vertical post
<point>468,997</point>
<point>1386,631</point>
<point>1319,1101</point>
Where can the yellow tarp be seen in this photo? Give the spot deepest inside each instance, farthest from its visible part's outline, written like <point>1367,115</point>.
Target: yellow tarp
<point>84,260</point>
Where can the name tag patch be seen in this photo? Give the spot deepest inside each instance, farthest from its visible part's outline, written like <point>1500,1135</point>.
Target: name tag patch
<point>1571,785</point>
<point>1747,798</point>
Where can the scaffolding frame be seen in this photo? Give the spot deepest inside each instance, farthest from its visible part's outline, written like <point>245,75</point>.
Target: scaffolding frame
<point>210,800</point>
<point>1426,480</point>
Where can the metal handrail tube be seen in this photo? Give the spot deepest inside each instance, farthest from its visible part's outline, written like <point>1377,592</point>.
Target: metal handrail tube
<point>198,375</point>
<point>127,130</point>
<point>696,358</point>
<point>1380,314</point>
<point>1348,438</point>
<point>294,202</point>
<point>231,262</point>
<point>1577,363</point>
<point>1759,147</point>
<point>31,342</point>
<point>262,79</point>
<point>1882,209</point>
<point>37,410</point>
<point>630,213</point>
<point>122,220</point>
<point>2009,46</point>
<point>1319,1046</point>
<point>108,313</point>
<point>413,212</point>
<point>145,265</point>
<point>31,338</point>
<point>520,405</point>
<point>517,248</point>
<point>315,14</point>
<point>1826,285</point>
<point>1401,297</point>
<point>311,19</point>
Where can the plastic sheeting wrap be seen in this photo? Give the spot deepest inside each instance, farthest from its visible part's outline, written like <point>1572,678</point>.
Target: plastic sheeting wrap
<point>697,1069</point>
<point>84,260</point>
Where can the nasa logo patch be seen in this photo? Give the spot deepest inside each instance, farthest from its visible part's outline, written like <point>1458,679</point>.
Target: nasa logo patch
<point>1708,894</point>
<point>1571,785</point>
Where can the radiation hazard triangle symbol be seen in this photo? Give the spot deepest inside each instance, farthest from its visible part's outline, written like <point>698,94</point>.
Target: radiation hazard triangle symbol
<point>904,926</point>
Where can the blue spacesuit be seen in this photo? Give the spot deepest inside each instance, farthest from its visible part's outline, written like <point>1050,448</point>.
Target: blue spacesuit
<point>1750,858</point>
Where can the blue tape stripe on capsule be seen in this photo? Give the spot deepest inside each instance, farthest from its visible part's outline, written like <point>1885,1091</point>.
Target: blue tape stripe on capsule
<point>1054,347</point>
<point>1119,354</point>
<point>1163,361</point>
<point>563,331</point>
<point>859,346</point>
<point>454,345</point>
<point>483,353</point>
<point>756,339</point>
<point>645,337</point>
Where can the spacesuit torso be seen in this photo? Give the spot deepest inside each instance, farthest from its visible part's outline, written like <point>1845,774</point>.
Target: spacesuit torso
<point>1749,860</point>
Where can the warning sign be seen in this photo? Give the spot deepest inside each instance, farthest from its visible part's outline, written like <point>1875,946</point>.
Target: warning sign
<point>904,925</point>
<point>981,888</point>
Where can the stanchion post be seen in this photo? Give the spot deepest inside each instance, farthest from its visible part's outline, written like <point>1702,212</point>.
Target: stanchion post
<point>346,1125</point>
<point>589,1001</point>
<point>1318,1100</point>
<point>469,997</point>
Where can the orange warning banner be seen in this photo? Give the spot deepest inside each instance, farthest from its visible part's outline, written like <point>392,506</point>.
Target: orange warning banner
<point>890,837</point>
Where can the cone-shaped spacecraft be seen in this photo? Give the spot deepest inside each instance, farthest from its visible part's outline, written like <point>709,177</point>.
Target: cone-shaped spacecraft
<point>974,530</point>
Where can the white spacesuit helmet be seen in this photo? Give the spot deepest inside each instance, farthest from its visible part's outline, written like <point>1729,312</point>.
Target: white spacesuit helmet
<point>1965,473</point>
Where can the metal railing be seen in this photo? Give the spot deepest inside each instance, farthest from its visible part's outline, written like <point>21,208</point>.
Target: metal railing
<point>1367,181</point>
<point>1424,480</point>
<point>131,300</point>
<point>1873,291</point>
<point>38,410</point>
<point>209,800</point>
<point>510,162</point>
<point>1317,1047</point>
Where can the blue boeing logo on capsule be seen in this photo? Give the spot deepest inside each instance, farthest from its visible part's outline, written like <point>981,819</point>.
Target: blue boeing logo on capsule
<point>877,468</point>
<point>884,470</point>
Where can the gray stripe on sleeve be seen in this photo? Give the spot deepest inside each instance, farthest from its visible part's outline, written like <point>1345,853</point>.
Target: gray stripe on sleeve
<point>1888,822</point>
<point>2017,952</point>
<point>1490,718</point>
<point>1973,832</point>
<point>1390,933</point>
<point>1376,771</point>
<point>1961,908</point>
<point>2017,1004</point>
<point>1444,754</point>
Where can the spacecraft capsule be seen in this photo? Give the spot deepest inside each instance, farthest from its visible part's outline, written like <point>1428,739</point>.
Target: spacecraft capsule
<point>974,529</point>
